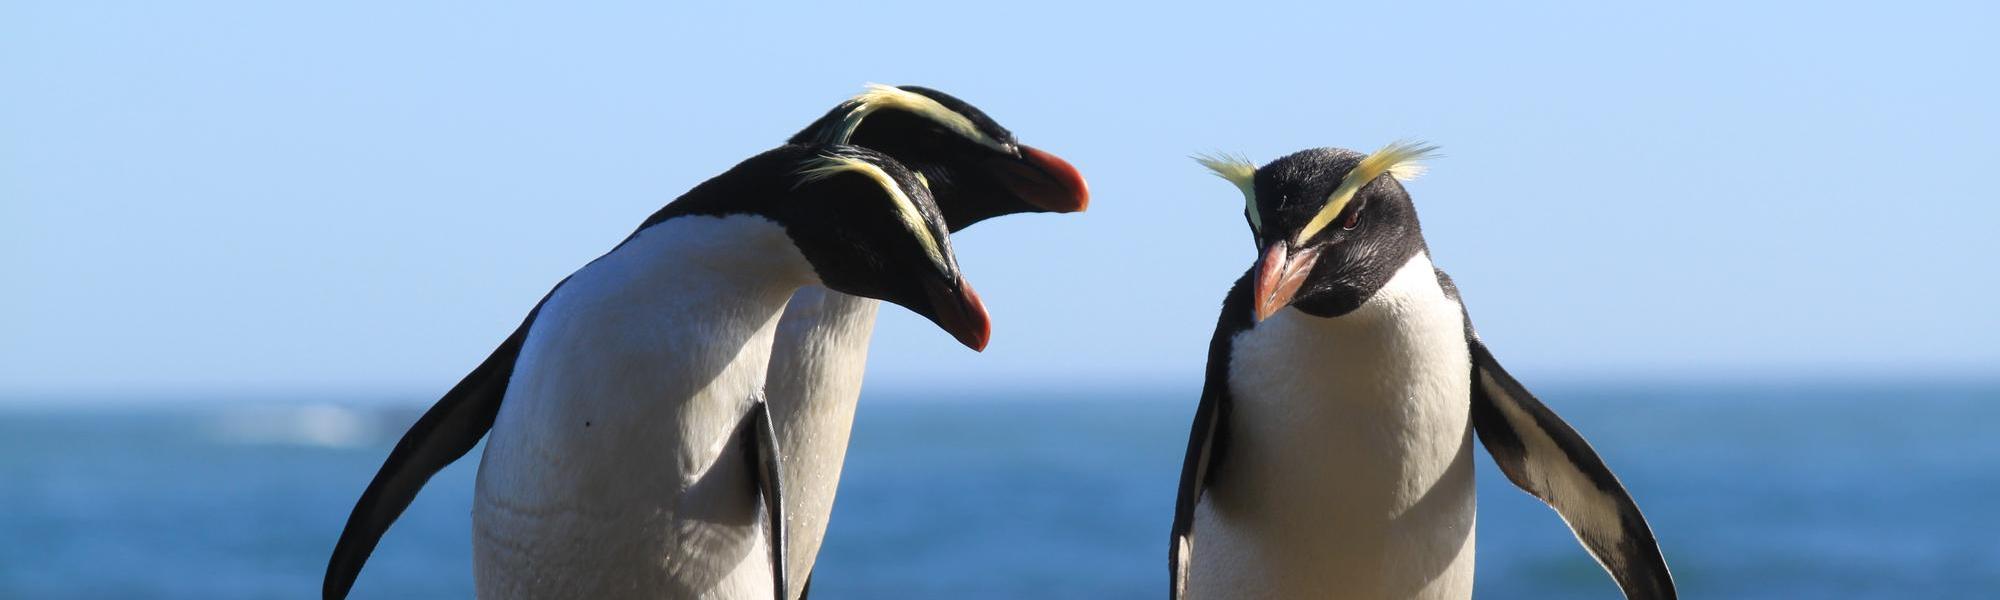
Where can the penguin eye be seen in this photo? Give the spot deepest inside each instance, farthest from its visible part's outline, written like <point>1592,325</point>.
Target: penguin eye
<point>1353,219</point>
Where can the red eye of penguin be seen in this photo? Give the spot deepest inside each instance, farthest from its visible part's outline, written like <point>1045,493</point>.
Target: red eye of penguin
<point>1353,218</point>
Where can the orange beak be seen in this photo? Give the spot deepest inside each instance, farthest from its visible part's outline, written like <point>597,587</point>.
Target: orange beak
<point>1279,275</point>
<point>1044,181</point>
<point>960,313</point>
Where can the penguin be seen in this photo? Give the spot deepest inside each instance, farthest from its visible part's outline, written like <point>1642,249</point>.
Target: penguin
<point>631,453</point>
<point>1331,452</point>
<point>976,170</point>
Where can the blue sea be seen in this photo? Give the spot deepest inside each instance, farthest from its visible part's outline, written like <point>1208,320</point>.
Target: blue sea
<point>1887,490</point>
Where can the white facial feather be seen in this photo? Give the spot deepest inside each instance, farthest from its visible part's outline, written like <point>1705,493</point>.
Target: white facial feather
<point>828,165</point>
<point>878,97</point>
<point>1398,159</point>
<point>1239,171</point>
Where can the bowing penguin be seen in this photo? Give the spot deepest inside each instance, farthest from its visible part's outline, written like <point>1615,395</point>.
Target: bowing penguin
<point>1331,454</point>
<point>976,170</point>
<point>631,452</point>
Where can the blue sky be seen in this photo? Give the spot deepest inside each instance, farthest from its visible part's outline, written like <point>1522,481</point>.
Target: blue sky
<point>369,195</point>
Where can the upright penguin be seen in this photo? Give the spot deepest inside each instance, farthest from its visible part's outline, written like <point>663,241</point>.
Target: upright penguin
<point>976,170</point>
<point>631,449</point>
<point>1331,453</point>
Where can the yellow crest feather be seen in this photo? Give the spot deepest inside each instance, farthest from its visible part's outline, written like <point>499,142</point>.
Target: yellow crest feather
<point>1398,159</point>
<point>829,165</point>
<point>877,97</point>
<point>1239,171</point>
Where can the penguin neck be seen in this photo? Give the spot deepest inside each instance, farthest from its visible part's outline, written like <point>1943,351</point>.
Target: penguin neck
<point>817,362</point>
<point>1408,290</point>
<point>820,354</point>
<point>707,263</point>
<point>709,282</point>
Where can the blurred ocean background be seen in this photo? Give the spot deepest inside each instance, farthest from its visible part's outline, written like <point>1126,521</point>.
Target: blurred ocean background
<point>1793,490</point>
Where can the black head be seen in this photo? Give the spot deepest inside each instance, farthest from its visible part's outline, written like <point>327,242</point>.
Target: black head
<point>975,168</point>
<point>870,228</point>
<point>1331,225</point>
<point>866,224</point>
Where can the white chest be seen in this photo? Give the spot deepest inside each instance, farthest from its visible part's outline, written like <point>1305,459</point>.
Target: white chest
<point>1348,471</point>
<point>609,471</point>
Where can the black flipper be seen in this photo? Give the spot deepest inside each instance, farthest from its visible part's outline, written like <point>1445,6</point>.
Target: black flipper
<point>444,434</point>
<point>1544,456</point>
<point>1194,480</point>
<point>761,448</point>
<point>1208,438</point>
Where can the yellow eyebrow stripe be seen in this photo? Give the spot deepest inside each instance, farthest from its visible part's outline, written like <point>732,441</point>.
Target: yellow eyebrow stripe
<point>1239,171</point>
<point>828,165</point>
<point>1399,159</point>
<point>877,97</point>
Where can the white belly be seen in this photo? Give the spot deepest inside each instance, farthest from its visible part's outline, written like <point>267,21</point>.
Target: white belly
<point>1349,467</point>
<point>817,363</point>
<point>612,469</point>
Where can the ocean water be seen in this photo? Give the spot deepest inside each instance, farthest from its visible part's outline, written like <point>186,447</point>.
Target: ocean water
<point>1755,490</point>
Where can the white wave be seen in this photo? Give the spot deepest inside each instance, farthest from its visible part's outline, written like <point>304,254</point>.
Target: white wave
<point>323,425</point>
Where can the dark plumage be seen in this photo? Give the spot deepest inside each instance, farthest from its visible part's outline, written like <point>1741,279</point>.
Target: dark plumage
<point>972,181</point>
